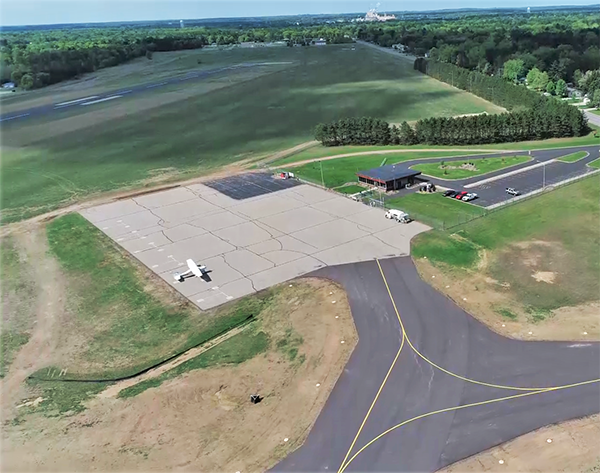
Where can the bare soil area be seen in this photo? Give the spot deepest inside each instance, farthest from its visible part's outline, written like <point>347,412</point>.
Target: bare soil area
<point>203,420</point>
<point>483,297</point>
<point>571,446</point>
<point>46,305</point>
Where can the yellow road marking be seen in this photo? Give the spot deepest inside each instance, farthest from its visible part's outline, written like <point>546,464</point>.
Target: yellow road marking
<point>373,403</point>
<point>530,391</point>
<point>448,409</point>
<point>474,381</point>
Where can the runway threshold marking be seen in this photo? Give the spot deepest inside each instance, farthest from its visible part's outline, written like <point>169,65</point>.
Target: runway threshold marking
<point>530,391</point>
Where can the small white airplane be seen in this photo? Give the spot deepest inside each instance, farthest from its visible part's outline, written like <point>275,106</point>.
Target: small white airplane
<point>195,270</point>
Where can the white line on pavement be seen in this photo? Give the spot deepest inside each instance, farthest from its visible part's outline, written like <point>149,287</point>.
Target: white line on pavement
<point>101,100</point>
<point>507,174</point>
<point>71,102</point>
<point>12,118</point>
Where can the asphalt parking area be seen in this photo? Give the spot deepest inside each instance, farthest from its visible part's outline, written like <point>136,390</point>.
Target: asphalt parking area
<point>251,233</point>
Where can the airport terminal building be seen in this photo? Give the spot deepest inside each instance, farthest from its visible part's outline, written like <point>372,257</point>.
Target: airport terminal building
<point>389,178</point>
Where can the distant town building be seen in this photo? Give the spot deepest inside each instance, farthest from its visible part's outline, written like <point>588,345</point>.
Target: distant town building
<point>372,15</point>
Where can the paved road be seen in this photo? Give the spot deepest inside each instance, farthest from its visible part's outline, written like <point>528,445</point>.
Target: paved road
<point>448,337</point>
<point>527,181</point>
<point>118,93</point>
<point>592,118</point>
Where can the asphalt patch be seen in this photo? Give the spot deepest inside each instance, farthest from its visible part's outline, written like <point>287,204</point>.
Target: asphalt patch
<point>250,185</point>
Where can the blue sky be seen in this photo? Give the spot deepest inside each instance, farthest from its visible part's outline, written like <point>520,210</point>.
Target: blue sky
<point>33,12</point>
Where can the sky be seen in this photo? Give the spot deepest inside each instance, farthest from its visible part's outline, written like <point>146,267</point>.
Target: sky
<point>39,12</point>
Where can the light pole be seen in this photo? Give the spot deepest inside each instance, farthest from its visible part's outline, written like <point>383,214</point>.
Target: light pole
<point>322,178</point>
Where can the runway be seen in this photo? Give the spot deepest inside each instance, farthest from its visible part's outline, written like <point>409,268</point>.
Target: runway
<point>58,108</point>
<point>428,385</point>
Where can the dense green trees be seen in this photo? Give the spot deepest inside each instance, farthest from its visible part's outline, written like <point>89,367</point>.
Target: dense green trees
<point>513,69</point>
<point>354,131</point>
<point>561,88</point>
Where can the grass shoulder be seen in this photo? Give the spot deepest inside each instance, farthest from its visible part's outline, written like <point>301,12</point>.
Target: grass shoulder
<point>573,157</point>
<point>595,164</point>
<point>474,167</point>
<point>435,210</point>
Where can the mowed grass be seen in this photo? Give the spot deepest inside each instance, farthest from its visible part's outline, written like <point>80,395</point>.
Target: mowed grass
<point>125,325</point>
<point>349,190</point>
<point>453,170</point>
<point>571,158</point>
<point>337,172</point>
<point>435,210</point>
<point>555,233</point>
<point>51,161</point>
<point>595,163</point>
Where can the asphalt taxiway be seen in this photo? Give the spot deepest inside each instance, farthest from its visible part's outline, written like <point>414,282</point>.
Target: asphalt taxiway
<point>428,385</point>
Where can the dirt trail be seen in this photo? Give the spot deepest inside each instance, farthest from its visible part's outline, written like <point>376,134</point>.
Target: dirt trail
<point>115,389</point>
<point>49,307</point>
<point>288,152</point>
<point>388,151</point>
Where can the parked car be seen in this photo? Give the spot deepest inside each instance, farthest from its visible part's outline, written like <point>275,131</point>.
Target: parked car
<point>460,195</point>
<point>511,191</point>
<point>449,193</point>
<point>469,197</point>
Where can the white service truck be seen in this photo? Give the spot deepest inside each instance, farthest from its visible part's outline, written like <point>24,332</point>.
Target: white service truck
<point>398,215</point>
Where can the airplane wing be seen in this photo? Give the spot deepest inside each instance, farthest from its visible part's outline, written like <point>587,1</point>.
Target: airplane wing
<point>194,268</point>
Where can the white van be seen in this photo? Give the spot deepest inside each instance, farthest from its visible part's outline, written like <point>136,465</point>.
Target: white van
<point>398,215</point>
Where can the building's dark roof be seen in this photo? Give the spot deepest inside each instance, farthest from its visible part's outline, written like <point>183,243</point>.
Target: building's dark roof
<point>388,173</point>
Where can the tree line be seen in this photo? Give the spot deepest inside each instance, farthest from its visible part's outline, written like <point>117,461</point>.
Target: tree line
<point>36,58</point>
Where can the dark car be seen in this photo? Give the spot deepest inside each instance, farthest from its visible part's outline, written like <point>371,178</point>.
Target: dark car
<point>511,191</point>
<point>450,193</point>
<point>460,195</point>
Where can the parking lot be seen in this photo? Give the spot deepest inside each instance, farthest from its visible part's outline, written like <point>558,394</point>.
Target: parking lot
<point>250,231</point>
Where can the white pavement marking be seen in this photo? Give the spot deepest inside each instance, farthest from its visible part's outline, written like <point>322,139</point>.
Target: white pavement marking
<point>12,118</point>
<point>105,99</point>
<point>71,102</point>
<point>511,173</point>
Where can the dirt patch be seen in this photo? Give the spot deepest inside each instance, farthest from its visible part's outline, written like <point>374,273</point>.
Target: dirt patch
<point>573,446</point>
<point>544,276</point>
<point>493,302</point>
<point>49,312</point>
<point>203,420</point>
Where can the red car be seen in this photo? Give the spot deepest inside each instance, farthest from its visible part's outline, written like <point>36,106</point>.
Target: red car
<point>460,195</point>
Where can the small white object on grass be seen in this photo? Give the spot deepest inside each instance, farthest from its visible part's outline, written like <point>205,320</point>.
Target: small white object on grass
<point>333,302</point>
<point>424,257</point>
<point>447,287</point>
<point>330,293</point>
<point>585,333</point>
<point>337,316</point>
<point>464,298</point>
<point>549,440</point>
<point>530,333</point>
<point>432,277</point>
<point>342,341</point>
<point>285,439</point>
<point>501,462</point>
<point>318,384</point>
<point>291,285</point>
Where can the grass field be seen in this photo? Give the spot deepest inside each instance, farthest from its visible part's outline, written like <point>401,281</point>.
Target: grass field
<point>434,209</point>
<point>351,189</point>
<point>595,112</point>
<point>319,151</point>
<point>553,238</point>
<point>126,326</point>
<point>337,172</point>
<point>571,158</point>
<point>195,127</point>
<point>453,170</point>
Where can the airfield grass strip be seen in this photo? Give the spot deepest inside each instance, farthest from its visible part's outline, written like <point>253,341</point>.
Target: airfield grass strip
<point>128,329</point>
